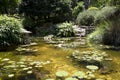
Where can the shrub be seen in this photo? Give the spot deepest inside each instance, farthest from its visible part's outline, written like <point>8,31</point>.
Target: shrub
<point>86,17</point>
<point>77,9</point>
<point>9,31</point>
<point>65,30</point>
<point>105,13</point>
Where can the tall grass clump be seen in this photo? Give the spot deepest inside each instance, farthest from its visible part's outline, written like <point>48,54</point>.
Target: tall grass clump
<point>108,27</point>
<point>97,36</point>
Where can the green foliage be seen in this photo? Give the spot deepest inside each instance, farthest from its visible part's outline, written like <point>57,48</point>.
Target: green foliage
<point>86,17</point>
<point>103,3</point>
<point>45,10</point>
<point>9,31</point>
<point>79,8</point>
<point>105,13</point>
<point>65,30</point>
<point>9,6</point>
<point>115,3</point>
<point>100,3</point>
<point>28,23</point>
<point>107,31</point>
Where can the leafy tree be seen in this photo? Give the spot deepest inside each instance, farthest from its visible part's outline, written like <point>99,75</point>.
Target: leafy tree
<point>45,10</point>
<point>8,6</point>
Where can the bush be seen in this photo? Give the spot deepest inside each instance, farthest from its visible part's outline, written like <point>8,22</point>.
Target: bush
<point>105,13</point>
<point>9,31</point>
<point>86,17</point>
<point>65,30</point>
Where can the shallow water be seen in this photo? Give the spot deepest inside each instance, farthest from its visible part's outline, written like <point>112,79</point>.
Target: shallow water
<point>60,59</point>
